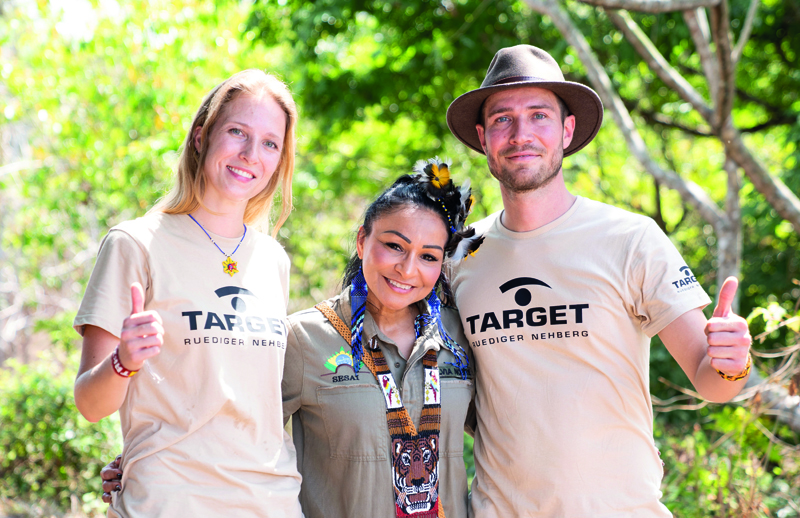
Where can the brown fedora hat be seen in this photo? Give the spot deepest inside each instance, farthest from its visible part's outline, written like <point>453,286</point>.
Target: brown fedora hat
<point>525,65</point>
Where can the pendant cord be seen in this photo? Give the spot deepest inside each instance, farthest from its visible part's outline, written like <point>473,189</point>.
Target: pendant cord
<point>215,243</point>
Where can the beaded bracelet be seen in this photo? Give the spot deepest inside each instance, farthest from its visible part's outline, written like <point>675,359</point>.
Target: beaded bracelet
<point>118,367</point>
<point>739,376</point>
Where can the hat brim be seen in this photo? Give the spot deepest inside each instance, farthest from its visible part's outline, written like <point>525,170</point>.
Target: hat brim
<point>582,101</point>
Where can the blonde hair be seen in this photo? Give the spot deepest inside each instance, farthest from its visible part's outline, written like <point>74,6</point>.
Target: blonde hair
<point>187,193</point>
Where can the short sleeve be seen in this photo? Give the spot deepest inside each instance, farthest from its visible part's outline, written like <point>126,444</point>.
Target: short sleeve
<point>284,266</point>
<point>661,285</point>
<point>293,367</point>
<point>121,261</point>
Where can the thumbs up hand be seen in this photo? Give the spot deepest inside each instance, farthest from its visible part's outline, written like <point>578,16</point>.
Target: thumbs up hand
<point>142,333</point>
<point>727,333</point>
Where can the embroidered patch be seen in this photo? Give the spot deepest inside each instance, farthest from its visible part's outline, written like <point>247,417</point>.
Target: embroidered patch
<point>342,357</point>
<point>447,372</point>
<point>432,396</point>
<point>390,392</point>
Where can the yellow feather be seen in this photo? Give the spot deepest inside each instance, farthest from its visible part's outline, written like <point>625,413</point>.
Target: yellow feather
<point>444,175</point>
<point>435,176</point>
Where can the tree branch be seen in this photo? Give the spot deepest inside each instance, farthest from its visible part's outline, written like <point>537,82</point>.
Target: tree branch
<point>779,115</point>
<point>729,234</point>
<point>697,23</point>
<point>745,34</point>
<point>784,201</point>
<point>689,191</point>
<point>720,29</point>
<point>782,53</point>
<point>790,418</point>
<point>775,398</point>
<point>652,6</point>
<point>21,165</point>
<point>645,48</point>
<point>654,117</point>
<point>776,110</point>
<point>780,120</point>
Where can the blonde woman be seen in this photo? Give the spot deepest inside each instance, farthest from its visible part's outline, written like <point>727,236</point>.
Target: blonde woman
<point>192,296</point>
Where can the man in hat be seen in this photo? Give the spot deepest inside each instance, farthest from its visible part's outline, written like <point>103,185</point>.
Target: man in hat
<point>559,305</point>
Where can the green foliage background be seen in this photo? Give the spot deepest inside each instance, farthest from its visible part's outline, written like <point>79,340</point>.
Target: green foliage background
<point>49,451</point>
<point>104,99</point>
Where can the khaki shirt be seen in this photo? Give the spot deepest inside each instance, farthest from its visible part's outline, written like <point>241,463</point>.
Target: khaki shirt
<point>339,422</point>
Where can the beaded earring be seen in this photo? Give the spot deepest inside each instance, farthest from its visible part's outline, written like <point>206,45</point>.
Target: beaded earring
<point>358,307</point>
<point>434,317</point>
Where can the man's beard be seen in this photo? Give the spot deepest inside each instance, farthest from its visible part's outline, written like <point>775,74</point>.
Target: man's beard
<point>525,179</point>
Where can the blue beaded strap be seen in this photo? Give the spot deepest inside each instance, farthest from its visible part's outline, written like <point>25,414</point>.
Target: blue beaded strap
<point>215,243</point>
<point>358,307</point>
<point>435,316</point>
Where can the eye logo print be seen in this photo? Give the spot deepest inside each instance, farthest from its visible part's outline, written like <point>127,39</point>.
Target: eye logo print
<point>247,317</point>
<point>527,314</point>
<point>523,296</point>
<point>237,303</point>
<point>687,282</point>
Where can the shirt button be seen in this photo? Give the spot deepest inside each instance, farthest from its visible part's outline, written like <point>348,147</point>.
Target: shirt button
<point>397,365</point>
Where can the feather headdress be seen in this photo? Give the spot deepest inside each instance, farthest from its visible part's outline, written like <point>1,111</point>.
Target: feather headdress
<point>463,244</point>
<point>456,203</point>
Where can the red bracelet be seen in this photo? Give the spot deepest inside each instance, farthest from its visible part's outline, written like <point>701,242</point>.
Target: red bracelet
<point>118,367</point>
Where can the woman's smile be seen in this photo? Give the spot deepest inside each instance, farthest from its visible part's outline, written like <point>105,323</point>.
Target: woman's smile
<point>241,173</point>
<point>400,286</point>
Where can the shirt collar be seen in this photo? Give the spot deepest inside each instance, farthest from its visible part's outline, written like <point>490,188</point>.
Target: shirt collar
<point>430,337</point>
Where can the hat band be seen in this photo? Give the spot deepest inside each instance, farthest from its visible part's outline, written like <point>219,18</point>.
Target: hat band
<point>518,79</point>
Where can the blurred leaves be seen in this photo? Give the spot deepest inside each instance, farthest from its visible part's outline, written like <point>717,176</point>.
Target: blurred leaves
<point>730,469</point>
<point>96,95</point>
<point>51,455</point>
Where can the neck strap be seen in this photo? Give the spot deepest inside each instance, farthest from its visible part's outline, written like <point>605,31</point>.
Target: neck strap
<point>415,450</point>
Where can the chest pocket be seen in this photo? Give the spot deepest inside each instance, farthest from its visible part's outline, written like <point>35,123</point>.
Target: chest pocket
<point>355,422</point>
<point>456,396</point>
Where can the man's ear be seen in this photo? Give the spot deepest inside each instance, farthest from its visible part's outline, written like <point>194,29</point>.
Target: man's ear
<point>569,130</point>
<point>481,136</point>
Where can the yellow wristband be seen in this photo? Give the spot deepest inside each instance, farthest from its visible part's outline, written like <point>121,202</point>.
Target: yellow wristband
<point>739,376</point>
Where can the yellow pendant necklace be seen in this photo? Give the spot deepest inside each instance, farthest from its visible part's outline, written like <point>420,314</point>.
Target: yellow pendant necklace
<point>228,265</point>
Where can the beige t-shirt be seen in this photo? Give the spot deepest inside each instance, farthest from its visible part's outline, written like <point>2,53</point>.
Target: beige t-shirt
<point>560,321</point>
<point>202,421</point>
